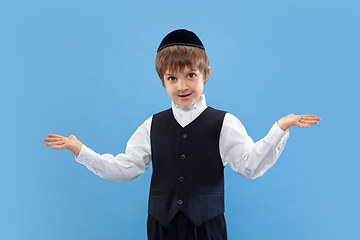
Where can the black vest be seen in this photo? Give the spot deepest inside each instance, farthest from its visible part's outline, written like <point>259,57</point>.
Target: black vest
<point>188,173</point>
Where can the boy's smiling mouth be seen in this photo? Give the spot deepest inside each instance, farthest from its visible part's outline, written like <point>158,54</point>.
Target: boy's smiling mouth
<point>184,96</point>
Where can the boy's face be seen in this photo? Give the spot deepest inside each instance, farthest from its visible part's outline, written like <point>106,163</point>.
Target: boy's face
<point>186,86</point>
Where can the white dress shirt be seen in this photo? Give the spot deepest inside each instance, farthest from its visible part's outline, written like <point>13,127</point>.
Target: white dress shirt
<point>237,149</point>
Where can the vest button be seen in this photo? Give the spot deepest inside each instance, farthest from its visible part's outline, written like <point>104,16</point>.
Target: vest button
<point>179,202</point>
<point>184,135</point>
<point>183,157</point>
<point>181,179</point>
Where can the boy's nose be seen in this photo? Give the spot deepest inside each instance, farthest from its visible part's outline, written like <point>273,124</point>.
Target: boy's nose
<point>182,87</point>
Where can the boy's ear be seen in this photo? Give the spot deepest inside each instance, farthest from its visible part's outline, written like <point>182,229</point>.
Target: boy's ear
<point>208,75</point>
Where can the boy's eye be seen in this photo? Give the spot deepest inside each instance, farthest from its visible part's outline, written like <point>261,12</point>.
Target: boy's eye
<point>172,79</point>
<point>191,75</point>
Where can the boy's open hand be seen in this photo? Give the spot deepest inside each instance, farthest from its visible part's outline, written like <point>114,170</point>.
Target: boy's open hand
<point>60,142</point>
<point>303,121</point>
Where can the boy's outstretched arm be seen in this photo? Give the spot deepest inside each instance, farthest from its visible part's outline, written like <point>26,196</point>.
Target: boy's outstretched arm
<point>303,121</point>
<point>60,142</point>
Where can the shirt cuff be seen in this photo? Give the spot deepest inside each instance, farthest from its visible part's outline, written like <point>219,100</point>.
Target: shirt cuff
<point>276,135</point>
<point>85,155</point>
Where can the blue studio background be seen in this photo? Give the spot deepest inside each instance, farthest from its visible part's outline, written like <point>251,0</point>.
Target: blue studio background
<point>87,68</point>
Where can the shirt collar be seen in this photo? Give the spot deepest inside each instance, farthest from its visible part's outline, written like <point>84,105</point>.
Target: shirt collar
<point>200,104</point>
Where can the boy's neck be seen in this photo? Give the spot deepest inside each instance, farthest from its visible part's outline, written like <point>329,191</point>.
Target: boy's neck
<point>184,116</point>
<point>200,103</point>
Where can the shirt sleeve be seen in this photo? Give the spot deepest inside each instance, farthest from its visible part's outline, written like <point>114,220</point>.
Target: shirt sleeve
<point>125,166</point>
<point>245,157</point>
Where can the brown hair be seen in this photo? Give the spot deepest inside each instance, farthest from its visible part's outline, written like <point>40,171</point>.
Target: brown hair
<point>177,57</point>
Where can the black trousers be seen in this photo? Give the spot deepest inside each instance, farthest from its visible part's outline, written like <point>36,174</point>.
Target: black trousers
<point>181,228</point>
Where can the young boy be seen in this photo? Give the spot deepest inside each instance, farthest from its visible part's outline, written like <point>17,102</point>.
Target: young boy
<point>189,145</point>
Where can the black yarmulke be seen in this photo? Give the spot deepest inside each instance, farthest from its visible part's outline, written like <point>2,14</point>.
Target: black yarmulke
<point>181,37</point>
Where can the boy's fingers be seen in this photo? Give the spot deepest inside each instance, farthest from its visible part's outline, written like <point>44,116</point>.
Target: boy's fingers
<point>51,143</point>
<point>58,147</point>
<point>312,123</point>
<point>303,125</point>
<point>55,136</point>
<point>310,117</point>
<point>52,139</point>
<point>308,120</point>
